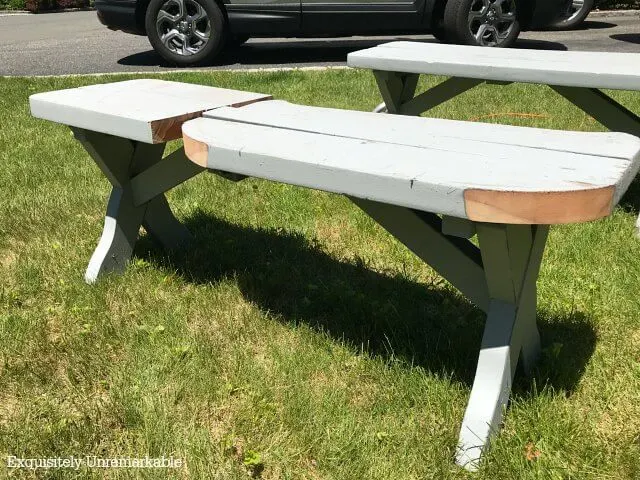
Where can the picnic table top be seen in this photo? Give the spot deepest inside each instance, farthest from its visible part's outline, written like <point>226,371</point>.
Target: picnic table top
<point>484,172</point>
<point>551,67</point>
<point>147,110</point>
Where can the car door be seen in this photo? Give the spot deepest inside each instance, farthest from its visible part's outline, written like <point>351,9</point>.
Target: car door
<point>351,17</point>
<point>266,17</point>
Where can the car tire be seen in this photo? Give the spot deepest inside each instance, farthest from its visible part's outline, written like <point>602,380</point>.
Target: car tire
<point>576,13</point>
<point>491,23</point>
<point>186,32</point>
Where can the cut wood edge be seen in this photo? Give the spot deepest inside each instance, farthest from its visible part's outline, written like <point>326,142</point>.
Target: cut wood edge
<point>168,129</point>
<point>195,150</point>
<point>538,208</point>
<point>253,100</point>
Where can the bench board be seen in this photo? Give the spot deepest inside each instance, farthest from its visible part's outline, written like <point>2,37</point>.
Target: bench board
<point>147,110</point>
<point>550,67</point>
<point>482,172</point>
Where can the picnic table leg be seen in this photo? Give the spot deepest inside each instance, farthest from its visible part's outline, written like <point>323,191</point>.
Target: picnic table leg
<point>121,159</point>
<point>511,256</point>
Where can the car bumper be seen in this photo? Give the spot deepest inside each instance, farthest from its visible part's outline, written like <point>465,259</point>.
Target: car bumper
<point>119,15</point>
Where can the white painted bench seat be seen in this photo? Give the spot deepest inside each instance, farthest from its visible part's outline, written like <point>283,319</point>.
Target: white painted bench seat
<point>146,110</point>
<point>480,172</point>
<point>550,67</point>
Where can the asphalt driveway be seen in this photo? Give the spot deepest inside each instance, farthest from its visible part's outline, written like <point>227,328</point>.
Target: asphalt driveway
<point>75,42</point>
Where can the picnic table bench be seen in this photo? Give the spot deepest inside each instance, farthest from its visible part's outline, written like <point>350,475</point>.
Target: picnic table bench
<point>433,184</point>
<point>125,126</point>
<point>580,77</point>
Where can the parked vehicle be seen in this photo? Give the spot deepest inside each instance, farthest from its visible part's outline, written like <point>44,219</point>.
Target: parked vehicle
<point>574,13</point>
<point>188,32</point>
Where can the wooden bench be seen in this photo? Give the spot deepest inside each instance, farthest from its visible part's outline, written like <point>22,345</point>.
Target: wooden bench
<point>579,77</point>
<point>124,126</point>
<point>433,184</point>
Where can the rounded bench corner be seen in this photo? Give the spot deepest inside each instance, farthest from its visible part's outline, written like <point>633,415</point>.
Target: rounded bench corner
<point>539,208</point>
<point>195,150</point>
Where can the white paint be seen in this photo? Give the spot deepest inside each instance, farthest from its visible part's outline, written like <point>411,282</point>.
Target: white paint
<point>453,135</point>
<point>549,67</point>
<point>126,109</point>
<point>407,161</point>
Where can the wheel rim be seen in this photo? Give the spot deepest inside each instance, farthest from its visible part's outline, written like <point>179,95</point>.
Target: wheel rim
<point>183,26</point>
<point>491,21</point>
<point>575,8</point>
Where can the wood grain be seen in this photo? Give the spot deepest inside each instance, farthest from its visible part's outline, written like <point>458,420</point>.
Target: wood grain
<point>195,150</point>
<point>538,207</point>
<point>169,129</point>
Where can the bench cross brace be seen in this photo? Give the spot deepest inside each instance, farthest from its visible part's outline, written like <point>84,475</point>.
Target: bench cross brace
<point>500,277</point>
<point>139,178</point>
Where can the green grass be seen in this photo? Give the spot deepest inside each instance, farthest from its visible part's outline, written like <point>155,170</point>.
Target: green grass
<point>295,339</point>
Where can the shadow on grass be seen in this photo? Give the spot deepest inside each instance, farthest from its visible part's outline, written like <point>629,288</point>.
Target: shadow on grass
<point>630,201</point>
<point>385,315</point>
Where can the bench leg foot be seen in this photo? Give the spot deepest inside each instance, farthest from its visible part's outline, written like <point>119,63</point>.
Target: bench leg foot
<point>121,160</point>
<point>491,386</point>
<point>121,227</point>
<point>511,256</point>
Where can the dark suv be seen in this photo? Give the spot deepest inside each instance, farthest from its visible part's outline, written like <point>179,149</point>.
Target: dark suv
<point>189,32</point>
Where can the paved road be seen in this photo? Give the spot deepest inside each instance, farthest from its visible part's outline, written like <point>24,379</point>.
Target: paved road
<point>69,43</point>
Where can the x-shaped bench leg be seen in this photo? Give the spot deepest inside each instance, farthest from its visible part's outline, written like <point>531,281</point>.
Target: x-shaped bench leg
<point>500,278</point>
<point>398,90</point>
<point>121,160</point>
<point>511,255</point>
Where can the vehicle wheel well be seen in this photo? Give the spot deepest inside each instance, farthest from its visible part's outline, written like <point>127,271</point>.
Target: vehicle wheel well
<point>525,12</point>
<point>141,11</point>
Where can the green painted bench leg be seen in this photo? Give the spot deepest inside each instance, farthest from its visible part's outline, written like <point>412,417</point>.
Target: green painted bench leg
<point>500,278</point>
<point>511,256</point>
<point>120,160</point>
<point>398,90</point>
<point>121,226</point>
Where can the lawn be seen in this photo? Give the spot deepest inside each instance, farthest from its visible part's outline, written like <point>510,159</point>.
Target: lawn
<point>295,339</point>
